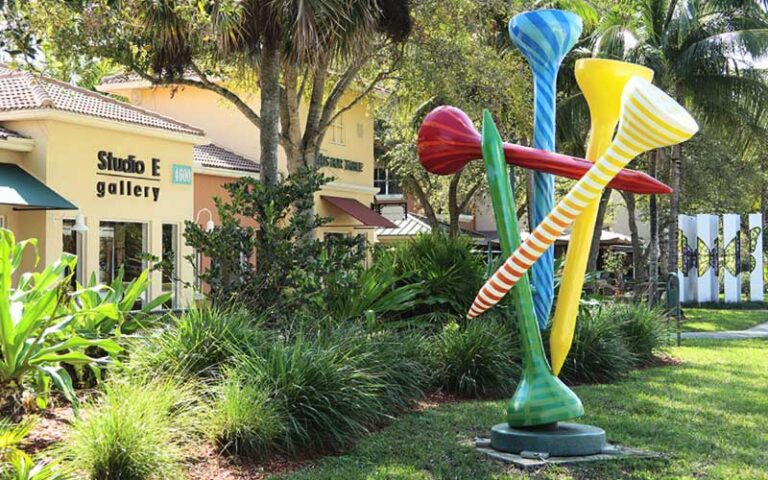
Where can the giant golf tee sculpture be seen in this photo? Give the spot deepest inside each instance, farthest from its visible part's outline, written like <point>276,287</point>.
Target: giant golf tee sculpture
<point>647,119</point>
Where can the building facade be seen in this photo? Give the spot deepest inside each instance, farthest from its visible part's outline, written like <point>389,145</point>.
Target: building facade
<point>114,182</point>
<point>346,152</point>
<point>125,172</point>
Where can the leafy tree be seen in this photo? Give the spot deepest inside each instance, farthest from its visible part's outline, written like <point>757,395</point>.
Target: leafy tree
<point>315,51</point>
<point>457,55</point>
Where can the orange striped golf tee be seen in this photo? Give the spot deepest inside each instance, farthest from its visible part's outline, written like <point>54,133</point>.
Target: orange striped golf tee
<point>649,119</point>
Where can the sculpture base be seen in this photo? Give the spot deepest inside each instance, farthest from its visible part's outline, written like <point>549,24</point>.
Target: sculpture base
<point>556,440</point>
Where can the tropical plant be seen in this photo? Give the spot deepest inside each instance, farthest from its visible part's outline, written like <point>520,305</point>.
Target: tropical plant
<point>378,290</point>
<point>35,320</point>
<point>15,464</point>
<point>137,429</point>
<point>447,268</point>
<point>479,358</point>
<point>92,322</point>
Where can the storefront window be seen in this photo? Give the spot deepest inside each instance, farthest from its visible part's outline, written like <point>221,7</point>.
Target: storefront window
<point>121,245</point>
<point>387,181</point>
<point>170,262</point>
<point>72,243</point>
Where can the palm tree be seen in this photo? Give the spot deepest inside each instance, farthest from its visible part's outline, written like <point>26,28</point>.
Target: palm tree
<point>700,51</point>
<point>269,35</point>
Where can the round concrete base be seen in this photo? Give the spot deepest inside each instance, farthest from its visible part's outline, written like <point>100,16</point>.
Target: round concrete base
<point>558,440</point>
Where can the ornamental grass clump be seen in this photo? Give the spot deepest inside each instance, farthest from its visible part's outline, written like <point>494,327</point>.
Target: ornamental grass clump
<point>197,343</point>
<point>244,421</point>
<point>645,329</point>
<point>136,430</point>
<point>599,353</point>
<point>475,359</point>
<point>318,392</point>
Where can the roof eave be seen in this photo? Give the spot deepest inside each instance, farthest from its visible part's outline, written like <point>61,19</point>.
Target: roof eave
<point>17,144</point>
<point>98,122</point>
<point>121,86</point>
<point>223,172</point>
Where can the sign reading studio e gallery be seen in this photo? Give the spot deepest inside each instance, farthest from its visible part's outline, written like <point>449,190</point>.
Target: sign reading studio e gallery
<point>128,176</point>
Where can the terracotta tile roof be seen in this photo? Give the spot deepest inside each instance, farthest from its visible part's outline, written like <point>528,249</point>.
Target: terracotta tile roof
<point>24,91</point>
<point>214,156</point>
<point>6,133</point>
<point>130,77</point>
<point>120,78</point>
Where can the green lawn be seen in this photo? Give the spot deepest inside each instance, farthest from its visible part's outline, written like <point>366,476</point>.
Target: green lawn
<point>707,320</point>
<point>710,415</point>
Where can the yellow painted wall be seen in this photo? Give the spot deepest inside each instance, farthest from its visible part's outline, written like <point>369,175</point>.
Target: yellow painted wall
<point>65,158</point>
<point>229,128</point>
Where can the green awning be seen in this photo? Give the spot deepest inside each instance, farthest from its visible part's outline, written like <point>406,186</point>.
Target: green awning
<point>25,192</point>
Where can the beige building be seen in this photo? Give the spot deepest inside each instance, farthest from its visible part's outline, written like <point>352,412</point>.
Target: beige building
<point>111,181</point>
<point>69,154</point>
<point>347,150</point>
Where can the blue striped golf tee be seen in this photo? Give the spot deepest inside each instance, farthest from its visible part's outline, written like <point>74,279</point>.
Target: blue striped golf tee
<point>544,37</point>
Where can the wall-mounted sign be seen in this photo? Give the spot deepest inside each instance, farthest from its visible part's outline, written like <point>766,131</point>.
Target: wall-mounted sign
<point>333,162</point>
<point>129,175</point>
<point>181,174</point>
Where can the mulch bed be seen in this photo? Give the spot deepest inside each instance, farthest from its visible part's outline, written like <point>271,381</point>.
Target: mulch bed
<point>206,463</point>
<point>51,427</point>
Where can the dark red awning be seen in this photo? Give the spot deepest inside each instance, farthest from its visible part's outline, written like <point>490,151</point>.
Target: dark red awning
<point>351,206</point>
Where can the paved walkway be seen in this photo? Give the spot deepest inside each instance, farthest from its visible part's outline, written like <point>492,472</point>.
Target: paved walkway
<point>758,331</point>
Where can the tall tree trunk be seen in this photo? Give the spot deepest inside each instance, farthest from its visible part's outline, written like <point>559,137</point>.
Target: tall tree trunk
<point>529,199</point>
<point>594,249</point>
<point>289,116</point>
<point>653,255</point>
<point>269,133</point>
<point>453,205</point>
<point>637,252</point>
<point>764,195</point>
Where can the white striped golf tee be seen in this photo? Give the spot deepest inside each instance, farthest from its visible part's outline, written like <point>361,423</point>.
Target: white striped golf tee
<point>649,119</point>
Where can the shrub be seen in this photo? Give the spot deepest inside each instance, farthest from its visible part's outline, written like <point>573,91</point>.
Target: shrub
<point>645,329</point>
<point>136,430</point>
<point>476,359</point>
<point>244,421</point>
<point>196,343</point>
<point>599,352</point>
<point>449,270</point>
<point>278,266</point>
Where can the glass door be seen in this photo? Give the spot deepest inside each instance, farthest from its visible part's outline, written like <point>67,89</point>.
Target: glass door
<point>121,245</point>
<point>72,243</point>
